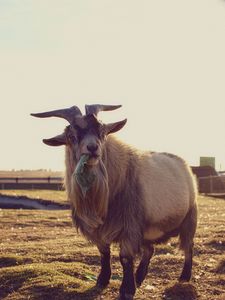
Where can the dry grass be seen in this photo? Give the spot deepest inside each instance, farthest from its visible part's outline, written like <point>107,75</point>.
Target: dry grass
<point>30,173</point>
<point>42,257</point>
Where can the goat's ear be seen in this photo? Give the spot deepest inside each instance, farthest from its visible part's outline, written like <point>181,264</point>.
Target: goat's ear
<point>114,127</point>
<point>58,140</point>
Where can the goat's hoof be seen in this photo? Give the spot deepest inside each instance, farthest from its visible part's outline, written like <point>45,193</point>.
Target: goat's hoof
<point>138,282</point>
<point>101,286</point>
<point>102,283</point>
<point>125,296</point>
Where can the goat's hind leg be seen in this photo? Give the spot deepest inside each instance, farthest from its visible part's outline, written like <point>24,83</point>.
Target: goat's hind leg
<point>142,269</point>
<point>187,268</point>
<point>187,233</point>
<point>105,274</point>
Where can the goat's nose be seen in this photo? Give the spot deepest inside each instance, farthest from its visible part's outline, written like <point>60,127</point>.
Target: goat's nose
<point>92,147</point>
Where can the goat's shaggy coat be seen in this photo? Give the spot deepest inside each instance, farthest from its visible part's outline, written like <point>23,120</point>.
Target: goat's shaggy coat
<point>137,196</point>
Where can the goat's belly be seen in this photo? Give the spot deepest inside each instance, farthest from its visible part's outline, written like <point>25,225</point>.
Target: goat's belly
<point>153,234</point>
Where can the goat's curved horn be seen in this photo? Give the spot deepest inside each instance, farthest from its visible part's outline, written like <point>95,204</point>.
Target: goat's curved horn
<point>68,113</point>
<point>96,108</point>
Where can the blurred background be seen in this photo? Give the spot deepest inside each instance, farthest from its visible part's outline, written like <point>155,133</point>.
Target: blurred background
<point>162,60</point>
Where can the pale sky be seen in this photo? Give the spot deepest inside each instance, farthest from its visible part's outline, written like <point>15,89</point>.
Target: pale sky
<point>164,61</point>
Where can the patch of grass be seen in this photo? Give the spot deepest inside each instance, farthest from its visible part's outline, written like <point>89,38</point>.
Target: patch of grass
<point>47,281</point>
<point>43,257</point>
<point>13,260</point>
<point>12,279</point>
<point>44,281</point>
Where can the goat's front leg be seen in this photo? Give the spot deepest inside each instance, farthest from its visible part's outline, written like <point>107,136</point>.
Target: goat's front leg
<point>144,263</point>
<point>128,288</point>
<point>105,274</point>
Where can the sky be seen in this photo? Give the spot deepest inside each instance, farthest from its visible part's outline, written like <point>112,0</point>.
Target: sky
<point>162,60</point>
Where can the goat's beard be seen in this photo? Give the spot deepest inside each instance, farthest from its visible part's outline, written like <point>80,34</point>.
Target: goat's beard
<point>92,207</point>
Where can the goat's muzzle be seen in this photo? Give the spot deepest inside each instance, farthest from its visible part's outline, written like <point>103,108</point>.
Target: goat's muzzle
<point>92,148</point>
<point>93,160</point>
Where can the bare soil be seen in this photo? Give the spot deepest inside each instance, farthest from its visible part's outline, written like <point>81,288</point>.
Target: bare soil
<point>43,257</point>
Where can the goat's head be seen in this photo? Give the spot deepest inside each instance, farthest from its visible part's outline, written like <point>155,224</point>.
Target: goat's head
<point>85,134</point>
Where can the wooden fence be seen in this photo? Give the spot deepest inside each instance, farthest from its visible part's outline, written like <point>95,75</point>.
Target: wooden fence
<point>30,183</point>
<point>207,185</point>
<point>212,184</point>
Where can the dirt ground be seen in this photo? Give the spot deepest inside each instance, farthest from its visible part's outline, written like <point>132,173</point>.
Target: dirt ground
<point>43,257</point>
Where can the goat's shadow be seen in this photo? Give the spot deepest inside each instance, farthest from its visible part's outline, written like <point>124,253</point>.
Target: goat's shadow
<point>178,291</point>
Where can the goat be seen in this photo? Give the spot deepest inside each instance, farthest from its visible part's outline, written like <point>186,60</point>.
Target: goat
<point>138,198</point>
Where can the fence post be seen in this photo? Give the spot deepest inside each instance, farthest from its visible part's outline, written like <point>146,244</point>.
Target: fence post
<point>211,184</point>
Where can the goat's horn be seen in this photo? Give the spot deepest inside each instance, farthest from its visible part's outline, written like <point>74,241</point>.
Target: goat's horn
<point>68,113</point>
<point>96,108</point>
